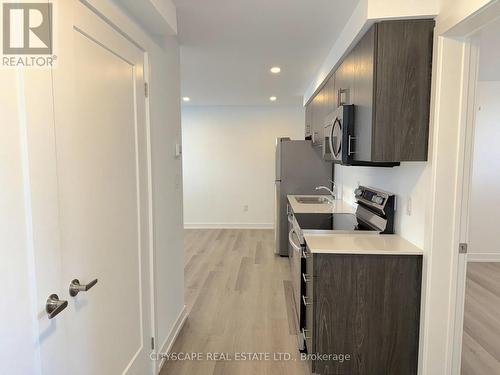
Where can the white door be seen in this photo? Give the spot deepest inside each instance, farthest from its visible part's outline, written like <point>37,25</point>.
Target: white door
<point>101,191</point>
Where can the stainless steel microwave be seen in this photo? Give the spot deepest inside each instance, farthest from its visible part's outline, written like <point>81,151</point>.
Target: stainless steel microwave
<point>338,142</point>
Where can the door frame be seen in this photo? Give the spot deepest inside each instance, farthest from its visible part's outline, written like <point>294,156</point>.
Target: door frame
<point>452,156</point>
<point>467,163</point>
<point>463,199</point>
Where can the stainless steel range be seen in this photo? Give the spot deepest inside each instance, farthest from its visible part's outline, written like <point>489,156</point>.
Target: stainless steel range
<point>374,214</point>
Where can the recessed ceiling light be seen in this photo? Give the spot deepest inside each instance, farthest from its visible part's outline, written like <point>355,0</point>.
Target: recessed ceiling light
<point>275,69</point>
<point>186,98</point>
<point>273,98</point>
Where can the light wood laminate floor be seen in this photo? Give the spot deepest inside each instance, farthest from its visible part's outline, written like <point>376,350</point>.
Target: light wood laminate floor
<point>238,294</point>
<point>481,341</point>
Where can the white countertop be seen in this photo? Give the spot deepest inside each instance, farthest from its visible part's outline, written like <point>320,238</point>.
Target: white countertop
<point>337,206</point>
<point>373,244</point>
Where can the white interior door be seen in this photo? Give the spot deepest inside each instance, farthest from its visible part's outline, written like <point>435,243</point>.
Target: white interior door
<point>102,191</point>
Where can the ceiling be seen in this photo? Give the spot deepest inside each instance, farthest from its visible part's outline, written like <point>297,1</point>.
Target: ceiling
<point>228,47</point>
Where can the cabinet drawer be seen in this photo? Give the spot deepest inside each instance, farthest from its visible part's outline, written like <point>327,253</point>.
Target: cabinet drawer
<point>306,254</point>
<point>308,302</point>
<point>308,329</point>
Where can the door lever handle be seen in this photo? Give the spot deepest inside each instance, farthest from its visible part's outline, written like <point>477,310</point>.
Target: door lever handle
<point>75,287</point>
<point>54,306</point>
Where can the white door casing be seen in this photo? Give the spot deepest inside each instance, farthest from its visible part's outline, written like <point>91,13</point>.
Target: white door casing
<point>90,194</point>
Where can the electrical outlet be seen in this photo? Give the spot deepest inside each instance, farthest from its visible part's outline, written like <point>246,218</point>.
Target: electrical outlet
<point>409,206</point>
<point>245,208</point>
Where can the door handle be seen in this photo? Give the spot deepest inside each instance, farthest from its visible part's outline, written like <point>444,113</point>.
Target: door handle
<point>54,305</point>
<point>305,301</point>
<point>341,97</point>
<point>304,334</point>
<point>75,287</point>
<point>350,152</point>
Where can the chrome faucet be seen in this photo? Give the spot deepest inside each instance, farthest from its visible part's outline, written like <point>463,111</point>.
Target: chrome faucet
<point>328,189</point>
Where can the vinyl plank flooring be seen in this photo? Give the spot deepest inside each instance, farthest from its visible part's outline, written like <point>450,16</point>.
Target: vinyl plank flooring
<point>481,337</point>
<point>239,298</point>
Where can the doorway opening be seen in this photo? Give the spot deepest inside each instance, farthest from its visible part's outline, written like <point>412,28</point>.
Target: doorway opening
<point>477,336</point>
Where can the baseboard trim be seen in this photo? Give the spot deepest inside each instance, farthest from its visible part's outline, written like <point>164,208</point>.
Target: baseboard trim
<point>483,257</point>
<point>167,345</point>
<point>228,226</point>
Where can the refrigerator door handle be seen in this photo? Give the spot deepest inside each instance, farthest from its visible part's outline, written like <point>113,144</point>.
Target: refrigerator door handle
<point>277,232</point>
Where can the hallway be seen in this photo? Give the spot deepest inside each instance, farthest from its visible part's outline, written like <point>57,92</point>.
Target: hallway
<point>238,294</point>
<point>481,345</point>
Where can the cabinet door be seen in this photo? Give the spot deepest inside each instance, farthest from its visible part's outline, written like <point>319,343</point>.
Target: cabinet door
<point>331,103</point>
<point>317,134</point>
<point>403,86</point>
<point>308,121</point>
<point>362,59</point>
<point>367,306</point>
<point>344,80</point>
<point>314,117</point>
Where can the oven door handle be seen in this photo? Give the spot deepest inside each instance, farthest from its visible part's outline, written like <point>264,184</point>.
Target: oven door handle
<point>292,242</point>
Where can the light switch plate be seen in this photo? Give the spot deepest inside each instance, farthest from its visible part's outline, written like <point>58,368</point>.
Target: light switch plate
<point>409,206</point>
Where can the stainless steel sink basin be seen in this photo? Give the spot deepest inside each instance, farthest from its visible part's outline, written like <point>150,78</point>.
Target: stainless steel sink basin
<point>313,200</point>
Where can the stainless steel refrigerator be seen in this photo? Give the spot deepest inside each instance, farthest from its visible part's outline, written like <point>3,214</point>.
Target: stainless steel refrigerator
<point>299,169</point>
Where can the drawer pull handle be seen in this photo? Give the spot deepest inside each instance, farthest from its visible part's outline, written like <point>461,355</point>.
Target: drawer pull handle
<point>306,278</point>
<point>304,300</point>
<point>304,335</point>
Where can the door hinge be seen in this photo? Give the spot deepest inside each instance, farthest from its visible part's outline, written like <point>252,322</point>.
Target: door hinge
<point>146,89</point>
<point>462,248</point>
<point>152,343</point>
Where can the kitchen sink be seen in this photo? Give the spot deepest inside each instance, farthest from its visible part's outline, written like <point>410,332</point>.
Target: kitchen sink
<point>313,200</point>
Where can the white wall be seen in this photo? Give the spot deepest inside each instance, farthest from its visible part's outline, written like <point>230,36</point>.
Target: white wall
<point>229,155</point>
<point>485,198</point>
<point>408,182</point>
<point>167,188</point>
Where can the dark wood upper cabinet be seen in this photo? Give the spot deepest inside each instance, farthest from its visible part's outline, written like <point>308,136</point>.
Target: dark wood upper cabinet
<point>402,87</point>
<point>362,60</point>
<point>323,103</point>
<point>387,76</point>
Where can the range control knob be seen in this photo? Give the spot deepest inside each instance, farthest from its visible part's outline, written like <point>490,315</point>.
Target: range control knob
<point>377,199</point>
<point>358,192</point>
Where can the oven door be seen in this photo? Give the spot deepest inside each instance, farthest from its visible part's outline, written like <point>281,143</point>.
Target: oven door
<point>296,269</point>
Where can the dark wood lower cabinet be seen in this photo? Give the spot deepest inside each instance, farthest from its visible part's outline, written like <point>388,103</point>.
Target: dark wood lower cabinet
<point>366,307</point>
